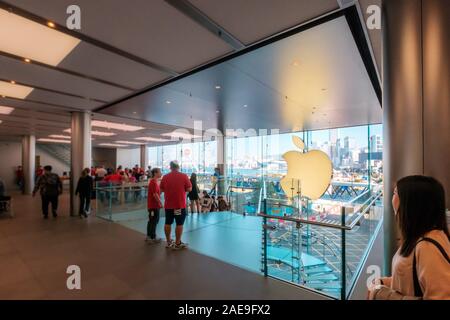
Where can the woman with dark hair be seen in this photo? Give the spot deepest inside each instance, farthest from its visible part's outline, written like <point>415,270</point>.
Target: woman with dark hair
<point>193,196</point>
<point>421,266</point>
<point>84,189</point>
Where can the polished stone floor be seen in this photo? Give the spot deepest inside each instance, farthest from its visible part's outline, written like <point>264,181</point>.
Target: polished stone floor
<point>115,263</point>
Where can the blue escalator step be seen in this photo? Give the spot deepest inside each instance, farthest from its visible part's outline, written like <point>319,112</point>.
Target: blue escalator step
<point>325,286</point>
<point>284,255</point>
<point>317,270</point>
<point>321,277</point>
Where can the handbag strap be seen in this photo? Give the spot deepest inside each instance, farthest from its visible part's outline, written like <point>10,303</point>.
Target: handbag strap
<point>417,290</point>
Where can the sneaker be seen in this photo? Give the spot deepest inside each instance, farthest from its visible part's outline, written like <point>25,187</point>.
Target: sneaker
<point>147,239</point>
<point>169,244</point>
<point>153,241</point>
<point>179,246</point>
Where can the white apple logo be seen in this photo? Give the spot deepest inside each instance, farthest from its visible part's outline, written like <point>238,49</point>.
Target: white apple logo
<point>308,174</point>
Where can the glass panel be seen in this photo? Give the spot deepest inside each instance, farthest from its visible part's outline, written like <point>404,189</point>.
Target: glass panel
<point>117,202</point>
<point>305,255</point>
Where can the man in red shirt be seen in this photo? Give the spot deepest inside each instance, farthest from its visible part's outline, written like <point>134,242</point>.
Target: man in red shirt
<point>153,206</point>
<point>175,185</point>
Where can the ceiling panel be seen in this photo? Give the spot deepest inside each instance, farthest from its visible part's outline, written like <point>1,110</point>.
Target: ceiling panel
<point>315,79</point>
<point>253,20</point>
<point>32,74</point>
<point>27,105</point>
<point>62,100</point>
<point>150,29</point>
<point>93,61</point>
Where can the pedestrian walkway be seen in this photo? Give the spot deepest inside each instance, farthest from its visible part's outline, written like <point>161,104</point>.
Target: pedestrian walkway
<point>115,263</point>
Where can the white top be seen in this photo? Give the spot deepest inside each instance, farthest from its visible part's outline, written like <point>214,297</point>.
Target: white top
<point>433,270</point>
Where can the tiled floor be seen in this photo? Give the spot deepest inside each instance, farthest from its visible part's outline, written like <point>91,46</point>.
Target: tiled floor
<point>115,263</point>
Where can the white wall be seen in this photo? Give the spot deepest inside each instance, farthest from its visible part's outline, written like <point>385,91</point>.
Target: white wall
<point>128,158</point>
<point>10,158</point>
<point>58,166</point>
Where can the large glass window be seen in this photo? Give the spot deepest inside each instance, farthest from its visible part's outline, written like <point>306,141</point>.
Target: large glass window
<point>355,152</point>
<point>198,157</point>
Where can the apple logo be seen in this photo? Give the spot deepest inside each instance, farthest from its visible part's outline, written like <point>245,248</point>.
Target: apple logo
<point>308,174</point>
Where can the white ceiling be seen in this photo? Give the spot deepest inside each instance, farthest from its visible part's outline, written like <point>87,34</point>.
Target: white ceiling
<point>150,30</point>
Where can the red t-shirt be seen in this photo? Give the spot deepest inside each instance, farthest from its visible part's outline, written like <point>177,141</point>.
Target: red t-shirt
<point>153,188</point>
<point>114,178</point>
<point>175,185</point>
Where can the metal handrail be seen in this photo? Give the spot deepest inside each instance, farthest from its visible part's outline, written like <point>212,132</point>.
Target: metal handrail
<point>323,224</point>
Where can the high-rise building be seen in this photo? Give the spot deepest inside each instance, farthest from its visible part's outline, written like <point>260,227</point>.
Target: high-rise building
<point>376,143</point>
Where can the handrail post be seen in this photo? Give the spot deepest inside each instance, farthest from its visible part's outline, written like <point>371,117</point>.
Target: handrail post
<point>343,254</point>
<point>265,238</point>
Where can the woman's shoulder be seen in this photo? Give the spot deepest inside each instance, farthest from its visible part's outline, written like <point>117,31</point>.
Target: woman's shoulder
<point>429,248</point>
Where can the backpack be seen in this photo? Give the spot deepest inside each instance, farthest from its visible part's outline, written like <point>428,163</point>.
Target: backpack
<point>51,185</point>
<point>417,290</point>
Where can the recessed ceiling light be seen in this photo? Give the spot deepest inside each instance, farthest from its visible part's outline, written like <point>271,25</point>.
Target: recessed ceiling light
<point>59,136</point>
<point>152,139</point>
<point>33,40</point>
<point>130,142</point>
<point>168,102</point>
<point>96,133</point>
<point>245,106</point>
<point>6,110</point>
<point>27,60</point>
<point>11,89</point>
<point>54,140</point>
<point>179,135</point>
<point>218,87</point>
<point>112,145</point>
<point>114,125</point>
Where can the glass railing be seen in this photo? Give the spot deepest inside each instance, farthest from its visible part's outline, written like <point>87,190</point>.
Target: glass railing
<point>114,200</point>
<point>320,244</point>
<point>317,245</point>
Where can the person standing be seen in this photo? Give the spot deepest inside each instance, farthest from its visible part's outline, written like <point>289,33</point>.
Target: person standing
<point>174,185</point>
<point>421,265</point>
<point>193,196</point>
<point>84,190</point>
<point>50,188</point>
<point>154,204</point>
<point>20,178</point>
<point>100,173</point>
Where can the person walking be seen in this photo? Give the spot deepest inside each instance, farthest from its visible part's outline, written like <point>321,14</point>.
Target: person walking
<point>84,190</point>
<point>50,187</point>
<point>174,185</point>
<point>154,204</point>
<point>193,195</point>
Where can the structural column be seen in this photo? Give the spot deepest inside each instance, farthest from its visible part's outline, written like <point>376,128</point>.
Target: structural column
<point>221,159</point>
<point>29,162</point>
<point>144,157</point>
<point>80,153</point>
<point>415,112</point>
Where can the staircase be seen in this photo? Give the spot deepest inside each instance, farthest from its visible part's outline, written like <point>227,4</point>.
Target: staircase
<point>59,151</point>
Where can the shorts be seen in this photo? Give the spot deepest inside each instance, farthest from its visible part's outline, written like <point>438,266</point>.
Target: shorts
<point>179,218</point>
